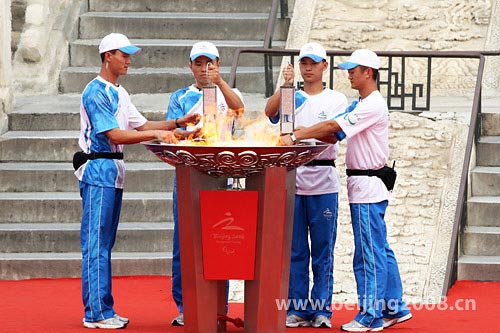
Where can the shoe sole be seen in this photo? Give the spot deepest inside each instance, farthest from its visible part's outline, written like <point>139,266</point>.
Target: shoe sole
<point>399,320</point>
<point>105,326</point>
<point>176,323</point>
<point>367,329</point>
<point>299,324</point>
<point>125,322</point>
<point>322,325</point>
<point>362,329</point>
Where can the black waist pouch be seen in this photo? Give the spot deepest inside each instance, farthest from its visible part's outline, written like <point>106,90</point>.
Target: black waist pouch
<point>79,159</point>
<point>386,174</point>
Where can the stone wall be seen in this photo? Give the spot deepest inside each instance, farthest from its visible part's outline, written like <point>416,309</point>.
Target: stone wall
<point>397,25</point>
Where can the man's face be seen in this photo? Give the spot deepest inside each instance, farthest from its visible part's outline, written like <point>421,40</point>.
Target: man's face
<point>312,71</point>
<point>119,62</point>
<point>199,68</point>
<point>358,76</point>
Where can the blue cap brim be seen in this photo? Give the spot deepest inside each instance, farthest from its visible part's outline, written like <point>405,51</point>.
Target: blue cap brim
<point>313,57</point>
<point>348,65</point>
<point>208,55</point>
<point>131,49</point>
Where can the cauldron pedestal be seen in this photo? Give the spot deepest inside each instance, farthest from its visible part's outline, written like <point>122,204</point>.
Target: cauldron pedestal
<point>269,171</point>
<point>204,299</point>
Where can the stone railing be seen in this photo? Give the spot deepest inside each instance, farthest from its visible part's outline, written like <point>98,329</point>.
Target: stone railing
<point>5,64</point>
<point>43,44</point>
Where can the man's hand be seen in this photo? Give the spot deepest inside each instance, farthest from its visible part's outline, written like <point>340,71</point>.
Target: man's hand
<point>188,135</point>
<point>213,73</point>
<point>288,75</point>
<point>285,140</point>
<point>189,119</point>
<point>166,136</point>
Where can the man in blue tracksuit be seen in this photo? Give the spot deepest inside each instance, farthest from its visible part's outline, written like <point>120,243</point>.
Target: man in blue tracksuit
<point>108,120</point>
<point>204,64</point>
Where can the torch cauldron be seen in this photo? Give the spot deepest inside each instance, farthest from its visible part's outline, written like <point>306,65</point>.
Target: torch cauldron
<point>235,234</point>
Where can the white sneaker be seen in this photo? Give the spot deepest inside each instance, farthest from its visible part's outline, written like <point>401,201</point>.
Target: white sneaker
<point>388,322</point>
<point>122,319</point>
<point>354,326</point>
<point>321,322</point>
<point>296,321</point>
<point>179,320</point>
<point>110,323</point>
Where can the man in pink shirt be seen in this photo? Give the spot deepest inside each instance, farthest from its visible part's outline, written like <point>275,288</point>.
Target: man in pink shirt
<point>367,129</point>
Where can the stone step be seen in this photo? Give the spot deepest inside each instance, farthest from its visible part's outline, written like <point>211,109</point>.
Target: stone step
<point>161,80</point>
<point>483,211</point>
<point>181,25</point>
<point>488,151</point>
<point>161,53</point>
<point>19,266</point>
<point>227,6</point>
<point>65,237</point>
<point>62,112</point>
<point>479,268</point>
<point>59,177</point>
<point>55,146</point>
<point>485,181</point>
<point>481,241</point>
<point>65,207</point>
<point>490,123</point>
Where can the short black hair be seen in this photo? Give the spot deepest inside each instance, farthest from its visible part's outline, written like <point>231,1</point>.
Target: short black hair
<point>374,71</point>
<point>104,54</point>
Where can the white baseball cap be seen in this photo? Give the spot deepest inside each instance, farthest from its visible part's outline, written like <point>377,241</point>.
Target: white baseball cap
<point>206,49</point>
<point>116,41</point>
<point>314,51</point>
<point>362,57</point>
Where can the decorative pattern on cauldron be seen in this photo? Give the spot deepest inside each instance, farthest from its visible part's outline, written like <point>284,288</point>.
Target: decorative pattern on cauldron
<point>234,161</point>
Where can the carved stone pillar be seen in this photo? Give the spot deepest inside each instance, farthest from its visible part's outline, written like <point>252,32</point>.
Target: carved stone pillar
<point>5,64</point>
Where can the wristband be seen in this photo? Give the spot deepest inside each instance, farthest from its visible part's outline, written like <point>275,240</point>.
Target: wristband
<point>177,123</point>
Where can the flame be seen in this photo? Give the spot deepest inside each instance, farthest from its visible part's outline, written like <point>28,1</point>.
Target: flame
<point>218,131</point>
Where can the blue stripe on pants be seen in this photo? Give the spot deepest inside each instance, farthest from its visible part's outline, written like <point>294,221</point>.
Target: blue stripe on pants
<point>101,214</point>
<point>375,266</point>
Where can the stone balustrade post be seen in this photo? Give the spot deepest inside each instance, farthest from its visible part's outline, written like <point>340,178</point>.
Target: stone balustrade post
<point>6,96</point>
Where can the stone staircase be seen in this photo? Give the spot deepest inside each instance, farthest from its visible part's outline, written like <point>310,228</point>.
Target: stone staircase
<point>480,242</point>
<point>166,30</point>
<point>40,207</point>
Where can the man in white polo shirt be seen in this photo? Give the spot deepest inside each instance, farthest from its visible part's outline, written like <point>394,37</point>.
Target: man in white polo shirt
<point>316,197</point>
<point>367,129</point>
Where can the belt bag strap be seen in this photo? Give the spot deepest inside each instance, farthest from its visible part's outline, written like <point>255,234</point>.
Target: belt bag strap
<point>321,163</point>
<point>369,172</point>
<point>112,156</point>
<point>386,174</point>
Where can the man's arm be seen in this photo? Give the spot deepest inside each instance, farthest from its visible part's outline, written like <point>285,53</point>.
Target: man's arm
<point>233,101</point>
<point>121,137</point>
<point>273,103</point>
<point>187,120</point>
<point>322,131</point>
